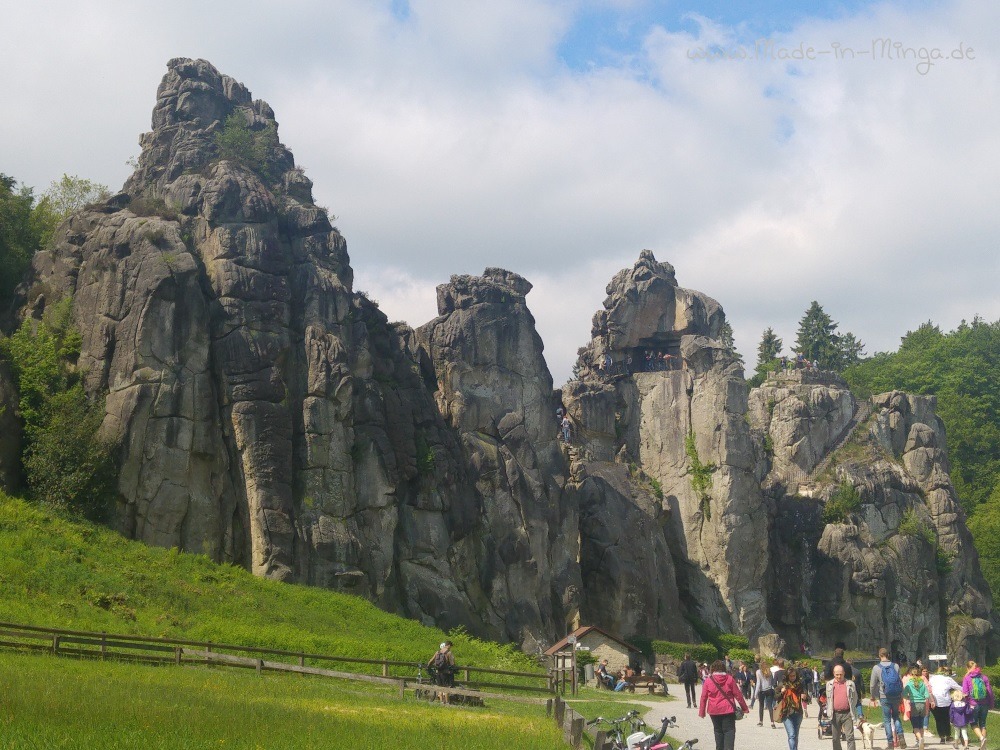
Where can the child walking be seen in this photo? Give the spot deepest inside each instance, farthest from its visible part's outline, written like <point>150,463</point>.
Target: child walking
<point>960,714</point>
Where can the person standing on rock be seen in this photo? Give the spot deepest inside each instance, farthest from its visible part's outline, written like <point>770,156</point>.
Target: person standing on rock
<point>842,698</point>
<point>566,429</point>
<point>941,685</point>
<point>719,698</point>
<point>790,701</point>
<point>887,691</point>
<point>687,674</point>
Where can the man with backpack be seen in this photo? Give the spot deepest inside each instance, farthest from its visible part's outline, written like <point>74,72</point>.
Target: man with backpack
<point>442,665</point>
<point>887,692</point>
<point>687,674</point>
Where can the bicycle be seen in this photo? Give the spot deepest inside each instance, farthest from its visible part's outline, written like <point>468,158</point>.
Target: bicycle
<point>617,728</point>
<point>643,741</point>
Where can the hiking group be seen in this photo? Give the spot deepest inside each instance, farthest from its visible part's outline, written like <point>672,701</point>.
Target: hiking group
<point>783,693</point>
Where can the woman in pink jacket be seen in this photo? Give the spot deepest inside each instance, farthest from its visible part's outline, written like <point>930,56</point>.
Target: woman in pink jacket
<point>720,695</point>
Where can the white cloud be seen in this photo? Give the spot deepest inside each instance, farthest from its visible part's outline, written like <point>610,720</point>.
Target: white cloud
<point>454,139</point>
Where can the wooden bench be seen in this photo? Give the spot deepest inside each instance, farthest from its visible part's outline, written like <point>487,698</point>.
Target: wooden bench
<point>650,683</point>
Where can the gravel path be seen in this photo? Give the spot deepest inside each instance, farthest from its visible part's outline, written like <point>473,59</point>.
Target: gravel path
<point>751,737</point>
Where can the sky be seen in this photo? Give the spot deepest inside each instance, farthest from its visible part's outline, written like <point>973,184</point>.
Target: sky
<point>775,153</point>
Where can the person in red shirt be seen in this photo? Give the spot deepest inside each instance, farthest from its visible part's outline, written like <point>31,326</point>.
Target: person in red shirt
<point>720,695</point>
<point>842,698</point>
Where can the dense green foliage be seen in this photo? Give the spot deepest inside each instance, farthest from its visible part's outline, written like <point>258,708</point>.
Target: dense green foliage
<point>240,143</point>
<point>66,464</point>
<point>26,225</point>
<point>77,575</point>
<point>962,368</point>
<point>50,702</point>
<point>700,652</point>
<point>20,235</point>
<point>817,339</point>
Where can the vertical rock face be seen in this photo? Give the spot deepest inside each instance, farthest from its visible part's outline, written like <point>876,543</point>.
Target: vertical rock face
<point>495,390</point>
<point>675,419</point>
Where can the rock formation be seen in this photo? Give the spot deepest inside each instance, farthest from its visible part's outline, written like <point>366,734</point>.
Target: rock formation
<point>898,563</point>
<point>270,416</point>
<point>676,420</point>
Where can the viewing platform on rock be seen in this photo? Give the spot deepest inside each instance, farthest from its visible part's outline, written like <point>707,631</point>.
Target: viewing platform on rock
<point>806,377</point>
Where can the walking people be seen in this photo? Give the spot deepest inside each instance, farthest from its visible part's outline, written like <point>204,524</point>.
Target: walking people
<point>915,691</point>
<point>842,698</point>
<point>789,700</point>
<point>687,673</point>
<point>720,697</point>
<point>976,686</point>
<point>764,693</point>
<point>942,684</point>
<point>960,714</point>
<point>887,691</point>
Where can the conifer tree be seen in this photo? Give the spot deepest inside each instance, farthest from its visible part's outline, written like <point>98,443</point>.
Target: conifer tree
<point>727,340</point>
<point>817,338</point>
<point>768,350</point>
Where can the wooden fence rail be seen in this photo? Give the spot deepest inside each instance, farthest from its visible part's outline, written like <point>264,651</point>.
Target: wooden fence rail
<point>177,651</point>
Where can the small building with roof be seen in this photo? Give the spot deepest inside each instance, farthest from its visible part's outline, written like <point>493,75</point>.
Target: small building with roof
<point>600,643</point>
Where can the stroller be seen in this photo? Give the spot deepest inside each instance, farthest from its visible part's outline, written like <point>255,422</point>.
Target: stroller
<point>825,726</point>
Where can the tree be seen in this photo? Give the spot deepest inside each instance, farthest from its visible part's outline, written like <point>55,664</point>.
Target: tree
<point>63,197</point>
<point>728,342</point>
<point>817,338</point>
<point>768,350</point>
<point>19,237</point>
<point>851,351</point>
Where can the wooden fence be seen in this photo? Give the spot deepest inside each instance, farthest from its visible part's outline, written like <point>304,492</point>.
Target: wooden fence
<point>401,674</point>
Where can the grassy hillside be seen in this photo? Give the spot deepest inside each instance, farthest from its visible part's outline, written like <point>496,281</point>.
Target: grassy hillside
<point>48,702</point>
<point>60,573</point>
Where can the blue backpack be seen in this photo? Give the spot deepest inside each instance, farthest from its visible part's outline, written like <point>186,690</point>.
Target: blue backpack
<point>892,684</point>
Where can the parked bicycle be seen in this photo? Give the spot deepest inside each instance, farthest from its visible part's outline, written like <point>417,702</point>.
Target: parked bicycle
<point>643,741</point>
<point>619,728</point>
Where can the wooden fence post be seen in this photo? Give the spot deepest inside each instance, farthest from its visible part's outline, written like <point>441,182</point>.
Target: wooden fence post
<point>260,667</point>
<point>559,711</point>
<point>104,644</point>
<point>573,728</point>
<point>177,655</point>
<point>402,688</point>
<point>55,644</point>
<point>385,668</point>
<point>600,739</point>
<point>548,708</point>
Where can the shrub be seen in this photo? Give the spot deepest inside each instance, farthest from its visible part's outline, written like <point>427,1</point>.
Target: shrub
<point>700,652</point>
<point>237,142</point>
<point>67,466</point>
<point>912,525</point>
<point>742,654</point>
<point>701,474</point>
<point>729,641</point>
<point>844,501</point>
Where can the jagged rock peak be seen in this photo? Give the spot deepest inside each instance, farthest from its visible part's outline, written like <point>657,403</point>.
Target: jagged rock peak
<point>646,310</point>
<point>645,270</point>
<point>193,102</point>
<point>496,285</point>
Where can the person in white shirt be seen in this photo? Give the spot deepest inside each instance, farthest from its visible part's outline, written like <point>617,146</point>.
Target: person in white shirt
<point>941,685</point>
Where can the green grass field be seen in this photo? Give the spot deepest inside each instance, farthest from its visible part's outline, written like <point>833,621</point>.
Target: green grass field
<point>48,702</point>
<point>60,573</point>
<point>67,574</point>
